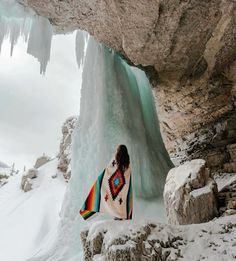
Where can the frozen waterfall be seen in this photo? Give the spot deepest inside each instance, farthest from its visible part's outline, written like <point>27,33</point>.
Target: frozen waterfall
<point>116,107</point>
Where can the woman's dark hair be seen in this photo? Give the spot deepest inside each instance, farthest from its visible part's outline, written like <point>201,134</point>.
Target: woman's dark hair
<point>122,158</point>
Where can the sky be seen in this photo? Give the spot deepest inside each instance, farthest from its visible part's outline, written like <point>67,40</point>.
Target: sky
<point>33,107</point>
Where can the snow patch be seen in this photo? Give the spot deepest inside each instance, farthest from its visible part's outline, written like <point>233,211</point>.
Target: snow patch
<point>28,219</point>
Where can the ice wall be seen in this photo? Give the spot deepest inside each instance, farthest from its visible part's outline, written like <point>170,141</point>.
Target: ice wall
<point>16,21</point>
<point>116,107</point>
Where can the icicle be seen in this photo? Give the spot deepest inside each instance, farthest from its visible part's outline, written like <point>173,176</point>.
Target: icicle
<point>14,34</point>
<point>39,44</point>
<point>26,29</point>
<point>80,43</point>
<point>16,20</point>
<point>2,31</point>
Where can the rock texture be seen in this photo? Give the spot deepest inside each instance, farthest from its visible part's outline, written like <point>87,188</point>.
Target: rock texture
<point>3,180</point>
<point>41,161</point>
<point>6,172</point>
<point>186,188</point>
<point>65,147</point>
<point>141,241</point>
<point>187,49</point>
<point>227,193</point>
<point>27,179</point>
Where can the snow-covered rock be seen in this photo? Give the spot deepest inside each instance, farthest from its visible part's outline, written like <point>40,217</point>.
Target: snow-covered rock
<point>65,147</point>
<point>41,161</point>
<point>142,240</point>
<point>26,182</point>
<point>226,183</point>
<point>190,195</point>
<point>3,181</point>
<point>5,172</point>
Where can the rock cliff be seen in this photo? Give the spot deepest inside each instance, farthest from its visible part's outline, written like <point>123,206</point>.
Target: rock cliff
<point>64,156</point>
<point>187,49</point>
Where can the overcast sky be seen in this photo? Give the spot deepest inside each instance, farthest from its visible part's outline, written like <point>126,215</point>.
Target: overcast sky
<point>33,107</point>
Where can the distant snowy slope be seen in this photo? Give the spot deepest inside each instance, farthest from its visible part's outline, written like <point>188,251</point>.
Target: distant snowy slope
<point>3,165</point>
<point>27,218</point>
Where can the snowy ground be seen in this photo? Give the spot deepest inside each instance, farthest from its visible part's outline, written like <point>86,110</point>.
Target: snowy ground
<point>26,219</point>
<point>29,220</point>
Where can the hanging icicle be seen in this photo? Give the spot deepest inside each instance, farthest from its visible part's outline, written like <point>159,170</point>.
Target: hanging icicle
<point>2,31</point>
<point>80,46</point>
<point>16,21</point>
<point>14,34</point>
<point>39,43</point>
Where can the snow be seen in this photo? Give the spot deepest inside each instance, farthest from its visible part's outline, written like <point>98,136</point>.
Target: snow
<point>224,180</point>
<point>27,219</point>
<point>202,191</point>
<point>180,175</point>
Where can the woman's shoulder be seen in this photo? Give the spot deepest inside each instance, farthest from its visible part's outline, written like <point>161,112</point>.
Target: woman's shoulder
<point>112,165</point>
<point>128,168</point>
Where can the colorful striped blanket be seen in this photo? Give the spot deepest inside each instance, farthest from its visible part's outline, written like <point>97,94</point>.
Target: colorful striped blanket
<point>111,193</point>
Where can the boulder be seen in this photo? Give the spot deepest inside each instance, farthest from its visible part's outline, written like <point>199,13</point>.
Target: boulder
<point>41,161</point>
<point>190,194</point>
<point>26,181</point>
<point>3,182</point>
<point>26,185</point>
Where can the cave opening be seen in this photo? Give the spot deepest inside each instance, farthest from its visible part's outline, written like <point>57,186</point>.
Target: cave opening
<point>116,107</point>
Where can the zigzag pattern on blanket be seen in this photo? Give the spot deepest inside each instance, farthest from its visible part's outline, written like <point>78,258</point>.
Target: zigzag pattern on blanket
<point>92,203</point>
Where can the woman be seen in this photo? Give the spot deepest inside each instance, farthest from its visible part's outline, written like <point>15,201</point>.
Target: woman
<point>112,192</point>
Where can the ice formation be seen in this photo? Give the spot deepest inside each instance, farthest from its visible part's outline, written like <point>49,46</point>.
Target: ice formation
<point>39,43</point>
<point>80,46</point>
<point>116,107</point>
<point>15,21</point>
